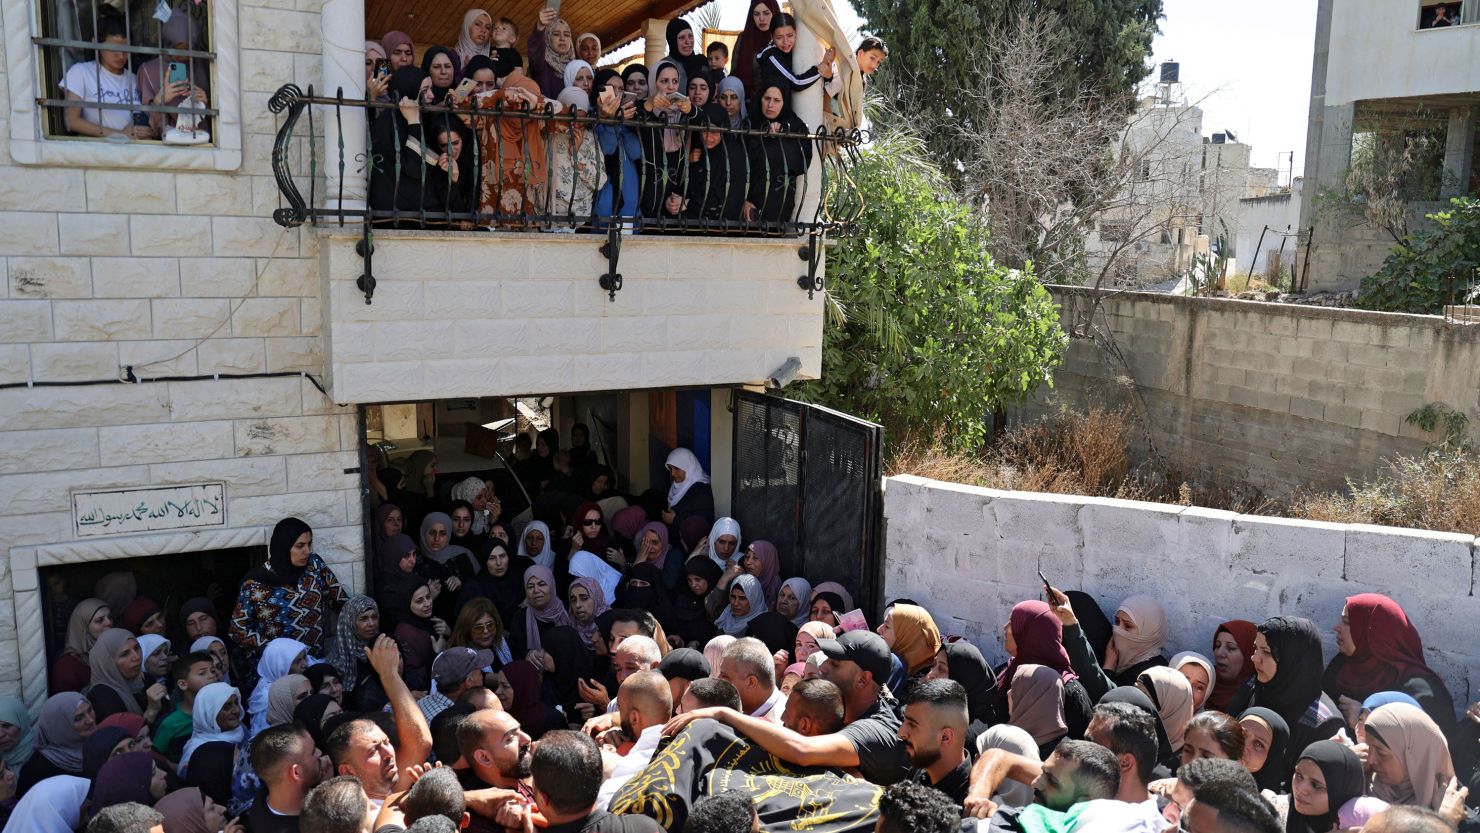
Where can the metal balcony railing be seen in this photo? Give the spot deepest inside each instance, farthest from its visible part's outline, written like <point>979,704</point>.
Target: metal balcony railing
<point>414,188</point>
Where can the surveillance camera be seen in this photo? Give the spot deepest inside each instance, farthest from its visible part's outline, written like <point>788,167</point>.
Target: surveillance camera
<point>785,374</point>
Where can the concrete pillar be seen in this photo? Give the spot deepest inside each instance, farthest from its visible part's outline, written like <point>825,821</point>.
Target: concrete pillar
<point>807,104</point>
<point>632,440</point>
<point>655,41</point>
<point>344,69</point>
<point>721,448</point>
<point>1459,152</point>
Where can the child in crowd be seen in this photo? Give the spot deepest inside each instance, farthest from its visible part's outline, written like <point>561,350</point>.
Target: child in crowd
<point>505,35</point>
<point>773,65</point>
<point>106,80</point>
<point>699,90</point>
<point>588,48</point>
<point>871,54</point>
<point>189,675</point>
<point>719,58</point>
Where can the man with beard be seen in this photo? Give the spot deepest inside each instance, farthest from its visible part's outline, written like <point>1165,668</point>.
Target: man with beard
<point>496,751</point>
<point>934,735</point>
<point>289,765</point>
<point>361,748</point>
<point>644,703</point>
<point>567,777</point>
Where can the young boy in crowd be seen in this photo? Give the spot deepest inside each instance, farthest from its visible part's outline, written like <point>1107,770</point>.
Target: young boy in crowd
<point>871,54</point>
<point>719,58</point>
<point>505,35</point>
<point>190,673</point>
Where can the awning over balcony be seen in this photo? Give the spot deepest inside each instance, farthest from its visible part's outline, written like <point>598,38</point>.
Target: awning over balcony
<point>616,22</point>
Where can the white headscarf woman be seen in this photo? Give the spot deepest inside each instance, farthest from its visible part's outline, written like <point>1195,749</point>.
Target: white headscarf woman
<point>589,565</point>
<point>721,528</point>
<point>573,71</point>
<point>546,556</point>
<point>684,460</point>
<point>735,625</point>
<point>277,661</point>
<point>466,48</point>
<point>204,728</point>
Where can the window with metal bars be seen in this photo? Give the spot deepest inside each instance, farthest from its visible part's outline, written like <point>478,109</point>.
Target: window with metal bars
<point>126,71</point>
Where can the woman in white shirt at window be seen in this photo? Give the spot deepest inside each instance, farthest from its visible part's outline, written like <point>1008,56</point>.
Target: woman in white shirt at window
<point>106,80</point>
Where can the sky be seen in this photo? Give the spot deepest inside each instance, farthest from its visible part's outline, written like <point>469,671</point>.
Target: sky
<point>1249,62</point>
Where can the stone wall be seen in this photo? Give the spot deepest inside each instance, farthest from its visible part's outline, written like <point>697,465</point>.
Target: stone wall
<point>175,270</point>
<point>1275,395</point>
<point>970,554</point>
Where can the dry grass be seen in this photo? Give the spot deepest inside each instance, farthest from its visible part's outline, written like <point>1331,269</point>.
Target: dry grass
<point>1089,454</point>
<point>1439,490</point>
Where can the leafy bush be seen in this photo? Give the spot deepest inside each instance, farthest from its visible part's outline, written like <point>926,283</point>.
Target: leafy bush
<point>926,334</point>
<point>1437,268</point>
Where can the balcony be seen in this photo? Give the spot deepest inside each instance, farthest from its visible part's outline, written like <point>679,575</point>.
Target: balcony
<point>439,303</point>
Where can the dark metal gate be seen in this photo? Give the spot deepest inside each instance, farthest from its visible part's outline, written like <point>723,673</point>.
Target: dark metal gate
<point>808,479</point>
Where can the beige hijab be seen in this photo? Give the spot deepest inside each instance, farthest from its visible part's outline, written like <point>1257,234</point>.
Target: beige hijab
<point>1172,693</point>
<point>1035,702</point>
<point>79,639</point>
<point>1414,737</point>
<point>1151,631</point>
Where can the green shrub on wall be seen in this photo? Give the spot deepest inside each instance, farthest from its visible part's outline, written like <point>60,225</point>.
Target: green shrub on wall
<point>1438,267</point>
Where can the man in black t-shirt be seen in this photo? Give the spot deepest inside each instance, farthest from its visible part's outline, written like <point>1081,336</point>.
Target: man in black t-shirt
<point>857,663</point>
<point>934,735</point>
<point>567,774</point>
<point>289,764</point>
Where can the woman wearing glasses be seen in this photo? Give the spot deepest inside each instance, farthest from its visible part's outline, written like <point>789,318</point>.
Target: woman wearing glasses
<point>480,627</point>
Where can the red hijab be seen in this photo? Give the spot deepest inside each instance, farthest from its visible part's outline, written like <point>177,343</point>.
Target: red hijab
<point>1039,638</point>
<point>1389,649</point>
<point>1243,632</point>
<point>597,543</point>
<point>751,42</point>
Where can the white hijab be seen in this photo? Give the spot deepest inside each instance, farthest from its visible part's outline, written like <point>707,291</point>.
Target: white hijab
<point>466,49</point>
<point>682,458</point>
<point>149,643</point>
<point>53,805</point>
<point>586,564</point>
<point>1195,658</point>
<point>277,659</point>
<point>546,556</point>
<point>204,729</point>
<point>734,625</point>
<point>722,527</point>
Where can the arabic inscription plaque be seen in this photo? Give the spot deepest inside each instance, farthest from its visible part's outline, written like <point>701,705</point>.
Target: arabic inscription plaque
<point>149,510</point>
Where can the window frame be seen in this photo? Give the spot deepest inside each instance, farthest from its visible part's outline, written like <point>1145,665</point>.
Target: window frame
<point>29,144</point>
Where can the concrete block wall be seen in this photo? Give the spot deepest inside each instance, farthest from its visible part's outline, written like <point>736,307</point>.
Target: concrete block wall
<point>1280,396</point>
<point>970,554</point>
<point>515,314</point>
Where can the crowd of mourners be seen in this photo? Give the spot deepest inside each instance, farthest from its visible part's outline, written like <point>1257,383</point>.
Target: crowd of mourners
<point>628,149</point>
<point>513,672</point>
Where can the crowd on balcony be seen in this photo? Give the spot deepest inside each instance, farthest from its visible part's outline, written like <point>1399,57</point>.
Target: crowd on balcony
<point>511,668</point>
<point>698,140</point>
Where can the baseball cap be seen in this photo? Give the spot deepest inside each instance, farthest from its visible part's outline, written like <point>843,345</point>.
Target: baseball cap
<point>453,665</point>
<point>865,648</point>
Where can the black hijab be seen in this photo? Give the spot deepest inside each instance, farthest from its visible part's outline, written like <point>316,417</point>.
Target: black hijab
<point>199,604</point>
<point>310,713</point>
<point>652,598</point>
<point>1136,697</point>
<point>688,65</point>
<point>505,591</point>
<point>440,93</point>
<point>1272,775</point>
<point>1295,644</point>
<point>1345,780</point>
<point>406,83</point>
<point>969,668</point>
<point>775,630</point>
<point>280,570</point>
<point>1093,623</point>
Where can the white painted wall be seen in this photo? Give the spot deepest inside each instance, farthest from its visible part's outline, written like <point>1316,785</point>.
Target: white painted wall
<point>509,314</point>
<point>1377,51</point>
<point>970,554</point>
<point>1277,211</point>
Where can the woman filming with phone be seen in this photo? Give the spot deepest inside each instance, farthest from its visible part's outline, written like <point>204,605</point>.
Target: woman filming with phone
<point>171,79</point>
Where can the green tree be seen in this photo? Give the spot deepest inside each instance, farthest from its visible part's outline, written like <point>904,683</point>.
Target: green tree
<point>927,335</point>
<point>937,49</point>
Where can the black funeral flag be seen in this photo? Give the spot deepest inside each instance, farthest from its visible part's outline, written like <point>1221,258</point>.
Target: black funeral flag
<point>708,757</point>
